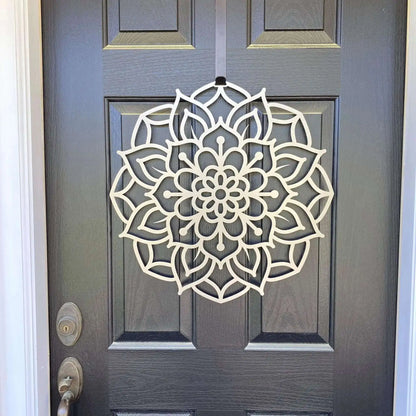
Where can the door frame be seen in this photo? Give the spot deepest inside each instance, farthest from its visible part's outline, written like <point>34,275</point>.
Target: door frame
<point>405,370</point>
<point>24,364</point>
<point>23,250</point>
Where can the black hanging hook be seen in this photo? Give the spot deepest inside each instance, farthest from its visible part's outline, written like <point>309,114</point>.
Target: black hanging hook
<point>220,81</point>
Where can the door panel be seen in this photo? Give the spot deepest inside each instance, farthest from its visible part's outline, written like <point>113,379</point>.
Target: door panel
<point>140,314</point>
<point>148,25</point>
<point>288,22</point>
<point>300,309</point>
<point>152,414</point>
<point>222,381</point>
<point>319,343</point>
<point>286,414</point>
<point>296,310</point>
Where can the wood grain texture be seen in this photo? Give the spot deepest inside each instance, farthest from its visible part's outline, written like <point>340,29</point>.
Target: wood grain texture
<point>232,413</point>
<point>76,194</point>
<point>141,15</point>
<point>294,14</point>
<point>301,23</point>
<point>222,381</point>
<point>302,73</point>
<point>144,308</point>
<point>122,413</point>
<point>370,135</point>
<point>286,414</point>
<point>221,326</point>
<point>160,24</point>
<point>298,309</point>
<point>292,305</point>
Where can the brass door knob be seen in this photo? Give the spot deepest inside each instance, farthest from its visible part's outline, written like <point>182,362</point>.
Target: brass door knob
<point>70,382</point>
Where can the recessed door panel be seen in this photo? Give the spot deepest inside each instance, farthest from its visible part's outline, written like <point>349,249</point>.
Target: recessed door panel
<point>299,309</point>
<point>148,25</point>
<point>143,308</point>
<point>274,23</point>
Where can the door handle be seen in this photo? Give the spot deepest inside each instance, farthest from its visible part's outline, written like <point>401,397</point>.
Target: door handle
<point>66,401</point>
<point>70,381</point>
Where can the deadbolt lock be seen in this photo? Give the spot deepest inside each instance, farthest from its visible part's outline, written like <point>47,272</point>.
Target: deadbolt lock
<point>69,323</point>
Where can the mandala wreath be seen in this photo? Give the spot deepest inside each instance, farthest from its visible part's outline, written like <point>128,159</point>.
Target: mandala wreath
<point>230,197</point>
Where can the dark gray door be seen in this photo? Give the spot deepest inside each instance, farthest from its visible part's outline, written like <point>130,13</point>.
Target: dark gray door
<point>319,343</point>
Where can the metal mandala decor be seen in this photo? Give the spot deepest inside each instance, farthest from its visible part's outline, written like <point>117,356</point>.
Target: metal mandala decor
<point>221,191</point>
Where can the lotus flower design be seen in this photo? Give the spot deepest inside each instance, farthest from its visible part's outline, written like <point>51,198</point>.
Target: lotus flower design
<point>218,205</point>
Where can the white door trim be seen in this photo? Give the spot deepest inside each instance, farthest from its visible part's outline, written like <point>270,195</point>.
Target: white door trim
<point>24,363</point>
<point>405,380</point>
<point>24,349</point>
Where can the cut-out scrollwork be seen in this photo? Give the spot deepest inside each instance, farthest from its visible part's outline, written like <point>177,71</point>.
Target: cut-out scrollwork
<point>233,202</point>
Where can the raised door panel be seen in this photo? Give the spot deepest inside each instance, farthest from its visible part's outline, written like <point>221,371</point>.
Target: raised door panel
<point>137,24</point>
<point>146,312</point>
<point>145,16</point>
<point>299,309</point>
<point>132,413</point>
<point>298,23</point>
<point>286,414</point>
<point>294,15</point>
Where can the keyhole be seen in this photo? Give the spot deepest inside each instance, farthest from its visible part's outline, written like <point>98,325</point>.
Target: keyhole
<point>69,323</point>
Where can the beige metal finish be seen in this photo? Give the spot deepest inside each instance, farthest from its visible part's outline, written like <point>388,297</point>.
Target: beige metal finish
<point>234,198</point>
<point>70,383</point>
<point>69,323</point>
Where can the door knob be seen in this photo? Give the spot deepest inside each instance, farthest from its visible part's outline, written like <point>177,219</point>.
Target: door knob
<point>70,381</point>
